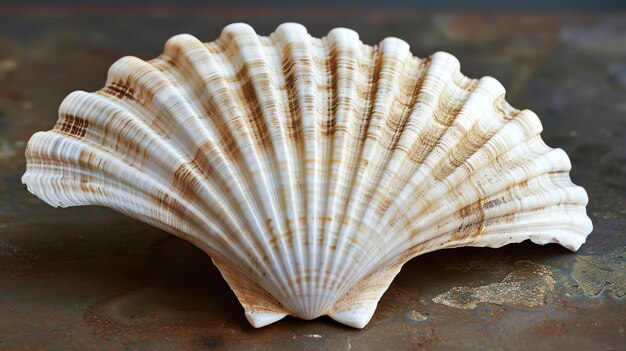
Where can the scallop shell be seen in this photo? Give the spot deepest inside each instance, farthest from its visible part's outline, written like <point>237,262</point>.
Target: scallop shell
<point>310,170</point>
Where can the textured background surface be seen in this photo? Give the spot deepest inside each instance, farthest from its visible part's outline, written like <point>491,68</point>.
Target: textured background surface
<point>90,278</point>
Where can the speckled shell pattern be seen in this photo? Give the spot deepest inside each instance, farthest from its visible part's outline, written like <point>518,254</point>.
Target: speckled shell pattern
<point>310,170</point>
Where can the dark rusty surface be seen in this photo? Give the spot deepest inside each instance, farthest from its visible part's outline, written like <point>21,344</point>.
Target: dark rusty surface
<point>89,278</point>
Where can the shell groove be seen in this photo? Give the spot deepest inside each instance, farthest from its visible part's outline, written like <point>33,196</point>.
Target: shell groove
<point>310,170</point>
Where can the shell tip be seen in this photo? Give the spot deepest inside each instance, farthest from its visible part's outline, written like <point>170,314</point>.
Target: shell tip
<point>238,27</point>
<point>447,57</point>
<point>261,319</point>
<point>342,33</point>
<point>355,319</point>
<point>291,26</point>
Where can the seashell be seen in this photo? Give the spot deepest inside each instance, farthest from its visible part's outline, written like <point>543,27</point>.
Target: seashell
<point>310,170</point>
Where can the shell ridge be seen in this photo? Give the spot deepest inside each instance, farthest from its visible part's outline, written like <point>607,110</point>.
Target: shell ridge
<point>393,117</point>
<point>446,164</point>
<point>324,124</point>
<point>337,51</point>
<point>186,166</point>
<point>292,144</point>
<point>135,110</point>
<point>114,168</point>
<point>331,64</point>
<point>427,104</point>
<point>256,75</point>
<point>469,175</point>
<point>366,298</point>
<point>292,140</point>
<point>227,156</point>
<point>540,228</point>
<point>243,185</point>
<point>175,140</point>
<point>239,223</point>
<point>324,131</point>
<point>343,92</point>
<point>388,48</point>
<point>511,216</point>
<point>432,220</point>
<point>391,182</point>
<point>438,62</point>
<point>300,74</point>
<point>357,139</point>
<point>99,103</point>
<point>472,185</point>
<point>197,166</point>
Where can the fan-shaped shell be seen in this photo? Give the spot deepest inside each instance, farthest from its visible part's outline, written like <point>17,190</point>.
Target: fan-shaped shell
<point>310,170</point>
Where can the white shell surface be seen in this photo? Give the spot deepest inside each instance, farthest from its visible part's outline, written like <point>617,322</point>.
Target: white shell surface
<point>310,170</point>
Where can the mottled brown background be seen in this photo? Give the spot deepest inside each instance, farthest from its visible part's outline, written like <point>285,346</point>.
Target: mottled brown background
<point>89,278</point>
